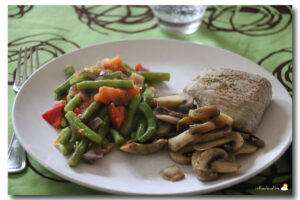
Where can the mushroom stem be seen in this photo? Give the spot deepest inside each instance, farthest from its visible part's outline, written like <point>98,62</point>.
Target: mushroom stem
<point>143,149</point>
<point>202,128</point>
<point>179,158</point>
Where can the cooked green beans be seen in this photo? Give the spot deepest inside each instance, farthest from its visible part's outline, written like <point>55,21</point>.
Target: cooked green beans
<point>126,126</point>
<point>94,85</point>
<point>75,101</point>
<point>77,124</point>
<point>129,68</point>
<point>104,127</point>
<point>79,151</point>
<point>69,70</point>
<point>154,77</point>
<point>151,122</point>
<point>117,74</point>
<point>66,134</point>
<point>87,114</point>
<point>68,148</point>
<point>103,112</point>
<point>141,126</point>
<point>148,95</point>
<point>63,122</point>
<point>64,87</point>
<point>117,136</point>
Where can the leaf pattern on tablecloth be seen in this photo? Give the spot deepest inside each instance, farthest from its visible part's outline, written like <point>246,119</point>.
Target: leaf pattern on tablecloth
<point>283,69</point>
<point>248,20</point>
<point>50,45</point>
<point>116,18</point>
<point>18,11</point>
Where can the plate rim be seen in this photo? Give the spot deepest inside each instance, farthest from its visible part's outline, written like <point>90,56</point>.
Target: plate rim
<point>113,191</point>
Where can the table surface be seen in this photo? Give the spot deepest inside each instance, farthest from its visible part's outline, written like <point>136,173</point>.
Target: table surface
<point>262,34</point>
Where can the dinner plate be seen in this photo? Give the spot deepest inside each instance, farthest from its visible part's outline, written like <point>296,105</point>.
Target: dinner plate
<point>124,173</point>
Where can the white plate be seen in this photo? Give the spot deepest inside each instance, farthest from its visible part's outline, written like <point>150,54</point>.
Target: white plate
<point>123,173</point>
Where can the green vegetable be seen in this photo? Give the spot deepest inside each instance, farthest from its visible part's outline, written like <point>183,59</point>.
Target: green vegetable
<point>104,127</point>
<point>77,124</point>
<point>76,79</point>
<point>103,112</point>
<point>87,114</point>
<point>66,134</point>
<point>126,125</point>
<point>151,122</point>
<point>68,148</point>
<point>75,101</point>
<point>79,151</point>
<point>148,96</point>
<point>129,68</point>
<point>155,77</point>
<point>141,126</point>
<point>69,70</point>
<point>64,87</point>
<point>63,123</point>
<point>117,74</point>
<point>94,85</point>
<point>119,140</point>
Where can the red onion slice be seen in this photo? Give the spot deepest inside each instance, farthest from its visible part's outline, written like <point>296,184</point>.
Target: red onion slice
<point>84,95</point>
<point>92,155</point>
<point>95,123</point>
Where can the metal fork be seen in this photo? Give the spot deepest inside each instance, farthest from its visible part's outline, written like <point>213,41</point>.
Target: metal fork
<point>16,153</point>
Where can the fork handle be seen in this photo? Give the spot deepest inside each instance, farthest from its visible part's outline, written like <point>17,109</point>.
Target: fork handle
<point>16,156</point>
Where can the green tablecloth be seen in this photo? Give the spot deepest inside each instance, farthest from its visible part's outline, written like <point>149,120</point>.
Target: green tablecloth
<point>262,34</point>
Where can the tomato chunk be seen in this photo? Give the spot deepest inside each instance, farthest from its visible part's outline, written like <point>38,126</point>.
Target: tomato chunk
<point>117,115</point>
<point>140,67</point>
<point>115,64</point>
<point>55,114</point>
<point>108,94</point>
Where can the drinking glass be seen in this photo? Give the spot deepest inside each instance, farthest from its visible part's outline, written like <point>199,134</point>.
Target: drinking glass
<point>182,19</point>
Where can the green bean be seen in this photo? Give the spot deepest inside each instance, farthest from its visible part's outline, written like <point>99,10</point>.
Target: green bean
<point>148,96</point>
<point>94,85</point>
<point>69,97</point>
<point>87,114</point>
<point>151,122</point>
<point>117,74</point>
<point>64,87</point>
<point>63,122</point>
<point>135,120</point>
<point>127,73</point>
<point>68,148</point>
<point>96,69</point>
<point>117,136</point>
<point>69,70</point>
<point>76,79</point>
<point>103,112</point>
<point>129,68</point>
<point>78,152</point>
<point>126,125</point>
<point>77,124</point>
<point>133,134</point>
<point>75,101</point>
<point>141,126</point>
<point>104,127</point>
<point>154,77</point>
<point>66,134</point>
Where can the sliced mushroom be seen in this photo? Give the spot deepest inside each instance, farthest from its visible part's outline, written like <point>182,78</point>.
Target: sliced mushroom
<point>187,149</point>
<point>207,164</point>
<point>170,101</point>
<point>172,173</point>
<point>253,139</point>
<point>186,137</point>
<point>183,124</point>
<point>143,149</point>
<point>163,129</point>
<point>167,115</point>
<point>247,148</point>
<point>225,166</point>
<point>236,143</point>
<point>222,120</point>
<point>202,128</point>
<point>233,139</point>
<point>180,158</point>
<point>186,105</point>
<point>204,113</point>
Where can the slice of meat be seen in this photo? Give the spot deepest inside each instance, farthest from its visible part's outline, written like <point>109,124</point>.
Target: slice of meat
<point>243,96</point>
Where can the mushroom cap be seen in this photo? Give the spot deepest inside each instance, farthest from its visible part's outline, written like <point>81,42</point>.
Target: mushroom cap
<point>201,163</point>
<point>237,141</point>
<point>180,158</point>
